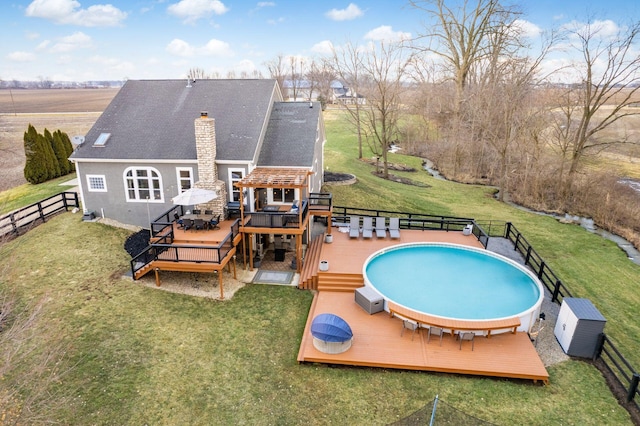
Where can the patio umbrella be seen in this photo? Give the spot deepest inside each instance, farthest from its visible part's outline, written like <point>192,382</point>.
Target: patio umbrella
<point>194,196</point>
<point>330,328</point>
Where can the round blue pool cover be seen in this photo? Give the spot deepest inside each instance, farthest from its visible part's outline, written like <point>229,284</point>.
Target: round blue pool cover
<point>330,328</point>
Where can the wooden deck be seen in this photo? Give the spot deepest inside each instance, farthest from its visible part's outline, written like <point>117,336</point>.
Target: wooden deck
<point>377,341</point>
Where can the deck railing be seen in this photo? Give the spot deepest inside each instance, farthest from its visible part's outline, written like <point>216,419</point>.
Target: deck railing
<point>279,219</point>
<point>164,249</point>
<point>417,221</point>
<point>25,218</point>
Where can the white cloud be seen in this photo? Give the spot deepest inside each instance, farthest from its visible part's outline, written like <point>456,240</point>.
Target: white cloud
<point>70,12</point>
<point>30,35</point>
<point>275,21</point>
<point>245,65</point>
<point>192,10</point>
<point>606,29</point>
<point>527,29</point>
<point>325,47</point>
<point>43,45</point>
<point>21,57</point>
<point>266,4</point>
<point>351,12</point>
<point>213,47</point>
<point>386,33</point>
<point>77,40</point>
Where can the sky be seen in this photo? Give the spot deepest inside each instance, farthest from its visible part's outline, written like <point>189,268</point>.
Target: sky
<point>82,40</point>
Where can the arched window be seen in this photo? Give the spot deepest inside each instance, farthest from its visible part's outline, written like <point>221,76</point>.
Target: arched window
<point>143,184</point>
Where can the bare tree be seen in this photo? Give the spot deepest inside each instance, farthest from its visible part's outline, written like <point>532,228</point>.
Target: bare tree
<point>320,77</point>
<point>608,72</point>
<point>386,70</point>
<point>461,35</point>
<point>346,63</point>
<point>296,75</point>
<point>277,70</point>
<point>196,73</point>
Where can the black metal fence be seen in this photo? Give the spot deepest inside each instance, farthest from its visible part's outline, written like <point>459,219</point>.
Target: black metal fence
<point>612,359</point>
<point>20,221</point>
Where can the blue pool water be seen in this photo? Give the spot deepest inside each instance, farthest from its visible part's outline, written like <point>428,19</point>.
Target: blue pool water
<point>452,281</point>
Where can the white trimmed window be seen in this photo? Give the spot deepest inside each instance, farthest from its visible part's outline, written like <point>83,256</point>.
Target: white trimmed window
<point>284,195</point>
<point>143,184</point>
<point>235,176</point>
<point>96,183</point>
<point>184,176</point>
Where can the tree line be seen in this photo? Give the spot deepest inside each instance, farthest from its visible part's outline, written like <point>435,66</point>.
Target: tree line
<point>47,155</point>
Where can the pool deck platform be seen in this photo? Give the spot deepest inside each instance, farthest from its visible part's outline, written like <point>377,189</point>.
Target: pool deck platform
<point>378,342</point>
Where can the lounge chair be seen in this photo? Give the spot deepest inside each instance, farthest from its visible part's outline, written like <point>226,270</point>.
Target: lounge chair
<point>367,227</point>
<point>354,226</point>
<point>381,227</point>
<point>394,227</point>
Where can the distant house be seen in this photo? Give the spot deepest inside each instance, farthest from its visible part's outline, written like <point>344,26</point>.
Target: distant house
<point>344,95</point>
<point>158,138</point>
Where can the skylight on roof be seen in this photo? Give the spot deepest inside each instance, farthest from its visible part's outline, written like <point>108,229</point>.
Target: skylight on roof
<point>102,139</point>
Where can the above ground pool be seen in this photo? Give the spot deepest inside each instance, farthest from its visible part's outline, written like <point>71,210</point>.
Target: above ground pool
<point>455,282</point>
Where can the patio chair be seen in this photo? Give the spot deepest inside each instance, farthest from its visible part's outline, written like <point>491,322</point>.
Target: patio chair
<point>394,227</point>
<point>208,212</point>
<point>381,227</point>
<point>367,227</point>
<point>436,331</point>
<point>197,211</point>
<point>409,325</point>
<point>187,224</point>
<point>354,226</point>
<point>466,335</point>
<point>179,221</point>
<point>213,224</point>
<point>198,224</point>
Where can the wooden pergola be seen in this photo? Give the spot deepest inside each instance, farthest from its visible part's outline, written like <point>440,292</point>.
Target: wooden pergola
<point>273,177</point>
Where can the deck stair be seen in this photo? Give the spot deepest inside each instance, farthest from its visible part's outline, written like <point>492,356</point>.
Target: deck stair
<point>328,281</point>
<point>309,273</point>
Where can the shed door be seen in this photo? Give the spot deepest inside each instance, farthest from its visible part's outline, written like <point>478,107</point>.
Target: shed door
<point>565,326</point>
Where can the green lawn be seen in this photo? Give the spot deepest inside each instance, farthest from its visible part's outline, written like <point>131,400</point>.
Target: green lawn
<point>141,356</point>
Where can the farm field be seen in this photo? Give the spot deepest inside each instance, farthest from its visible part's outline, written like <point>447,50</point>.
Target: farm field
<point>73,111</point>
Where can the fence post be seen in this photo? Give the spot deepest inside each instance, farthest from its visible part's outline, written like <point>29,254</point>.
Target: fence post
<point>528,256</point>
<point>64,201</point>
<point>599,347</point>
<point>633,387</point>
<point>507,230</point>
<point>556,291</point>
<point>41,211</point>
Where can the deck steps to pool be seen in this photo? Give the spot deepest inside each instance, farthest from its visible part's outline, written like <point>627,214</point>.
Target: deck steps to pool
<point>330,281</point>
<point>309,273</point>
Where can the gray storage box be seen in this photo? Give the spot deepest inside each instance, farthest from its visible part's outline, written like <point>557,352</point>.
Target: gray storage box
<point>369,300</point>
<point>578,326</point>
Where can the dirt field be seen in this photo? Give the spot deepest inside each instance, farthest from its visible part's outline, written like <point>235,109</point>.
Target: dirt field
<point>72,110</point>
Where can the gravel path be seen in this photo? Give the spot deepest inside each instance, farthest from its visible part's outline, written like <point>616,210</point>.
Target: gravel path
<point>547,345</point>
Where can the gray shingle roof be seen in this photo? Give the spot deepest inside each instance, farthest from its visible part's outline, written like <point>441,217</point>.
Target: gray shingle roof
<point>291,135</point>
<point>154,119</point>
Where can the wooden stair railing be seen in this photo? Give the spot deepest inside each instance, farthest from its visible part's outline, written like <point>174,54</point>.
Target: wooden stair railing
<point>309,273</point>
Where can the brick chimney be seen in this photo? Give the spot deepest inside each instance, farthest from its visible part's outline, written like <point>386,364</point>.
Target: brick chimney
<point>205,133</point>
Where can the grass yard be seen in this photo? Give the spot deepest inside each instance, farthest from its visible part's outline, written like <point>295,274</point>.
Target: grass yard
<point>141,356</point>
